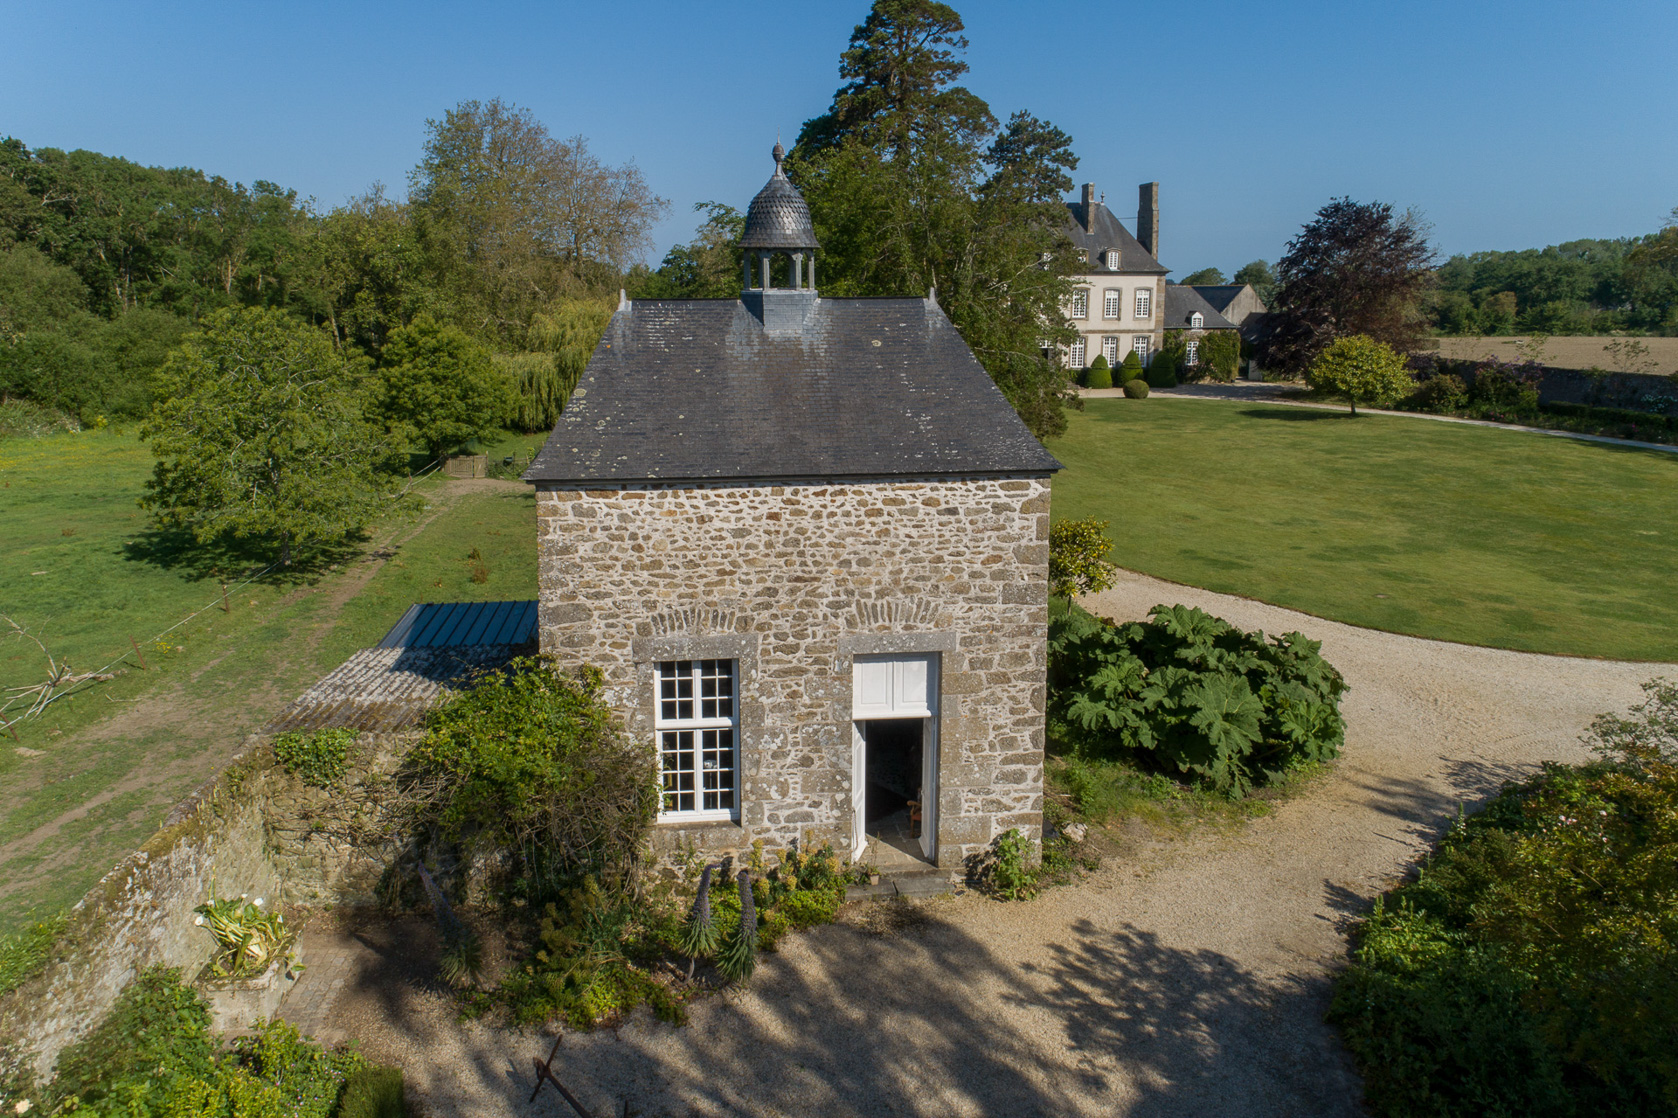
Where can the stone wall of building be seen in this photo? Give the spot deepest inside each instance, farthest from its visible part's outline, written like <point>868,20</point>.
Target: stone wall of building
<point>792,581</point>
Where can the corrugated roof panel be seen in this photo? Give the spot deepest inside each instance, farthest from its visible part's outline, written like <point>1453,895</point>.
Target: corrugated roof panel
<point>456,624</point>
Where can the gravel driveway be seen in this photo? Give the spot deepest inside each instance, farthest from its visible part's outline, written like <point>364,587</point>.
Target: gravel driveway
<point>1193,984</point>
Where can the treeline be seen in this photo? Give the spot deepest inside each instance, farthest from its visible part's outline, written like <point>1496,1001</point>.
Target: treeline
<point>1629,284</point>
<point>516,238</point>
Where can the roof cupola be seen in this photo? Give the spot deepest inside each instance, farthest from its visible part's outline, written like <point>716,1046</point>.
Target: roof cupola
<point>778,223</point>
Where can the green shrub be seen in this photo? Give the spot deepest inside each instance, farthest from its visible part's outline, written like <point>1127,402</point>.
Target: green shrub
<point>1189,693</point>
<point>1100,374</point>
<point>1360,369</point>
<point>373,1093</point>
<point>531,767</point>
<point>1220,354</point>
<point>1136,389</point>
<point>1532,966</point>
<point>153,1056</point>
<point>1078,551</point>
<point>317,758</point>
<point>1443,393</point>
<point>1504,388</point>
<point>1007,869</point>
<point>156,1030</point>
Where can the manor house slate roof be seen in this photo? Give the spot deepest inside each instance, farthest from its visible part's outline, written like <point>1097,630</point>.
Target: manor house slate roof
<point>1181,301</point>
<point>1220,295</point>
<point>1108,233</point>
<point>697,389</point>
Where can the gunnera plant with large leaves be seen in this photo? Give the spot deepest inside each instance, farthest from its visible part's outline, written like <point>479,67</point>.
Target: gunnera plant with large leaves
<point>1189,694</point>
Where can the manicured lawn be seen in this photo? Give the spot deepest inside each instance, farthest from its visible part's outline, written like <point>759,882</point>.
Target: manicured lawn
<point>1440,530</point>
<point>79,790</point>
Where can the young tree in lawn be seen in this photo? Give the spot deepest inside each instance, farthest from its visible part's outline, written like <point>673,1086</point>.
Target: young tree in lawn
<point>1357,268</point>
<point>1361,368</point>
<point>441,386</point>
<point>260,434</point>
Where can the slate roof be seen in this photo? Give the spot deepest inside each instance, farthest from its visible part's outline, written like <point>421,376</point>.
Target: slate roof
<point>1220,295</point>
<point>1109,233</point>
<point>696,389</point>
<point>1182,301</point>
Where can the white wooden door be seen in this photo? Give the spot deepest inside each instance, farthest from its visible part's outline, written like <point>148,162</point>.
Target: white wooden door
<point>901,686</point>
<point>859,778</point>
<point>929,790</point>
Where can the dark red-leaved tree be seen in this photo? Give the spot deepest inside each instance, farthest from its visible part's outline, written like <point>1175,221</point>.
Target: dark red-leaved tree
<point>1355,269</point>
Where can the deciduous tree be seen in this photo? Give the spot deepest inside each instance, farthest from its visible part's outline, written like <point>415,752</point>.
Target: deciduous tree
<point>260,435</point>
<point>440,386</point>
<point>1356,268</point>
<point>1361,368</point>
<point>1205,275</point>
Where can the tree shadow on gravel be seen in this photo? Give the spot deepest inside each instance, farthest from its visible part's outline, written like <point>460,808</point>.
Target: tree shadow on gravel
<point>1194,1033</point>
<point>925,1023</point>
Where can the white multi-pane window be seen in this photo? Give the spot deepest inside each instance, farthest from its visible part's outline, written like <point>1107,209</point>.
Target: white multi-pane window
<point>1197,320</point>
<point>1112,261</point>
<point>1140,344</point>
<point>1144,302</point>
<point>1110,350</point>
<point>698,723</point>
<point>1075,357</point>
<point>1192,353</point>
<point>1083,256</point>
<point>1112,303</point>
<point>1081,303</point>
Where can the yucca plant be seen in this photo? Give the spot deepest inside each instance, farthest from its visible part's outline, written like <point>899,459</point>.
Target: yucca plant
<point>249,938</point>
<point>738,957</point>
<point>699,933</point>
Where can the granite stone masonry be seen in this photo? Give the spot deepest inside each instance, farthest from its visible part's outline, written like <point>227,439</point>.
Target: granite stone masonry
<point>792,582</point>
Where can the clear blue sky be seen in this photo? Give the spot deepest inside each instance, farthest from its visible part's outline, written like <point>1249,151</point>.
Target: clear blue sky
<point>1510,125</point>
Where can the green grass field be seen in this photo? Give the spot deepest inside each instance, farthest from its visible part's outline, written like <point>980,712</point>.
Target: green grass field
<point>1440,530</point>
<point>87,781</point>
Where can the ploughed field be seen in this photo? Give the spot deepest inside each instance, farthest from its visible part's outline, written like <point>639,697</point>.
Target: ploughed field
<point>1568,352</point>
<point>1441,530</point>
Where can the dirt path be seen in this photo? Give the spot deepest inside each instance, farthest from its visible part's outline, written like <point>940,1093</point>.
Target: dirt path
<point>1195,984</point>
<point>205,724</point>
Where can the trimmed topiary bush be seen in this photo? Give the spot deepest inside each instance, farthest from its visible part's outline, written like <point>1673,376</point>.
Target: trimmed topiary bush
<point>1161,374</point>
<point>1100,373</point>
<point>1136,389</point>
<point>1131,367</point>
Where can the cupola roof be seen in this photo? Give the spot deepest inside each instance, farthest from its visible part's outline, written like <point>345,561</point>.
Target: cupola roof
<point>778,217</point>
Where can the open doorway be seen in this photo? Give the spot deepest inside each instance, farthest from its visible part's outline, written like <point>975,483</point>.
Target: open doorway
<point>893,766</point>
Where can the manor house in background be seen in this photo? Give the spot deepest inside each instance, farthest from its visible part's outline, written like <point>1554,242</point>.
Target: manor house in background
<point>806,539</point>
<point>1121,303</point>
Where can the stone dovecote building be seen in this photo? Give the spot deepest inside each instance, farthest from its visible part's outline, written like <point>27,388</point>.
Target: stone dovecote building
<point>806,539</point>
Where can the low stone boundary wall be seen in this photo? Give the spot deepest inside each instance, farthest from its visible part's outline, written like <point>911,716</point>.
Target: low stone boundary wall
<point>255,830</point>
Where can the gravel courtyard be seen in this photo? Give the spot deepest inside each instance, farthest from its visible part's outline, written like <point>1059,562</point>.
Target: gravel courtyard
<point>1192,983</point>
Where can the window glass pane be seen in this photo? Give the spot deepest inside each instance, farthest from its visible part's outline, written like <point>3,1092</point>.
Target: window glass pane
<point>697,762</point>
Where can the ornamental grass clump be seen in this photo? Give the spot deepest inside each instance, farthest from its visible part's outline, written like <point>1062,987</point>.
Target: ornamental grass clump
<point>1190,695</point>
